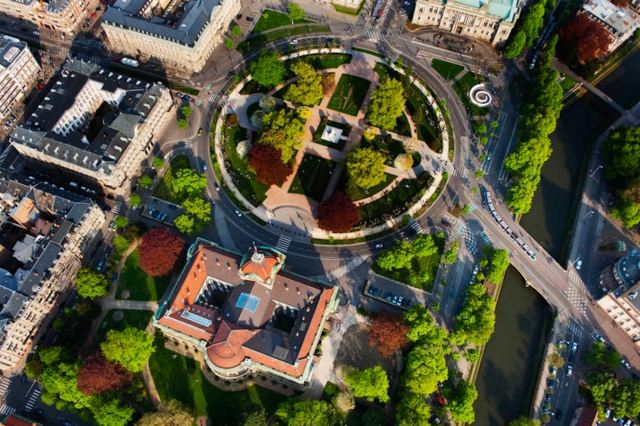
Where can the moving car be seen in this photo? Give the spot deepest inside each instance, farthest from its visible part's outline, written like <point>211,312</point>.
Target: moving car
<point>569,371</point>
<point>578,264</point>
<point>607,412</point>
<point>574,347</point>
<point>626,364</point>
<point>204,165</point>
<point>35,33</point>
<point>238,213</point>
<point>378,246</point>
<point>446,224</point>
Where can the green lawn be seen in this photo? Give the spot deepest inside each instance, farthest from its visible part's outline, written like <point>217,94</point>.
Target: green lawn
<point>182,379</point>
<point>137,319</point>
<point>349,94</point>
<point>328,61</point>
<point>567,83</point>
<point>341,143</point>
<point>312,177</point>
<point>260,40</point>
<point>397,200</point>
<point>462,87</point>
<point>348,10</point>
<point>245,180</point>
<point>271,19</point>
<point>446,69</point>
<point>357,193</point>
<point>419,266</point>
<point>140,285</point>
<point>163,189</point>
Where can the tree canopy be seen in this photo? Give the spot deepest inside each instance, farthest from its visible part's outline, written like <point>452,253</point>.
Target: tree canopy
<point>451,256</point>
<point>268,70</point>
<point>146,181</point>
<point>130,348</point>
<point>387,332</point>
<point>420,322</point>
<point>622,171</point>
<point>524,421</point>
<point>426,367</point>
<point>413,411</point>
<point>112,413</point>
<point>460,402</point>
<point>476,320</point>
<point>386,104</point>
<point>584,39</point>
<point>308,89</point>
<point>403,253</point>
<point>198,211</point>
<point>338,213</point>
<point>282,130</point>
<point>295,12</point>
<point>135,200</point>
<point>267,163</point>
<point>599,356</point>
<point>188,183</point>
<point>308,412</point>
<point>170,413</point>
<point>366,167</point>
<point>160,251</point>
<point>120,222</point>
<point>91,283</point>
<point>98,375</point>
<point>371,383</point>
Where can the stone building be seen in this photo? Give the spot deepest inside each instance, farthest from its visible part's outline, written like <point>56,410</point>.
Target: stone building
<point>620,22</point>
<point>52,232</point>
<point>179,35</point>
<point>491,20</point>
<point>62,16</point>
<point>18,73</point>
<point>95,124</point>
<point>246,314</point>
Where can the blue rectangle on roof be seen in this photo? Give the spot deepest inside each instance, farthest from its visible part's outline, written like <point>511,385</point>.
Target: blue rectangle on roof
<point>248,302</point>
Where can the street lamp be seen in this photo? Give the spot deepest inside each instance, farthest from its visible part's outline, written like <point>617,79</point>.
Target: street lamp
<point>585,216</point>
<point>594,172</point>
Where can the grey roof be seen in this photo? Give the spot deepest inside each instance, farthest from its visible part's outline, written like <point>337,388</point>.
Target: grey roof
<point>59,99</point>
<point>10,47</point>
<point>78,210</point>
<point>182,26</point>
<point>24,250</point>
<point>40,269</point>
<point>11,302</point>
<point>628,268</point>
<point>8,281</point>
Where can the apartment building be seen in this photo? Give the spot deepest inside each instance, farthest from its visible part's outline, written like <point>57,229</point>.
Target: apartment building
<point>51,232</point>
<point>63,16</point>
<point>491,21</point>
<point>95,123</point>
<point>246,315</point>
<point>181,35</point>
<point>620,22</point>
<point>18,73</point>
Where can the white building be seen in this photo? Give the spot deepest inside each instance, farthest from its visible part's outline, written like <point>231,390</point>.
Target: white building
<point>18,72</point>
<point>179,34</point>
<point>621,22</point>
<point>64,16</point>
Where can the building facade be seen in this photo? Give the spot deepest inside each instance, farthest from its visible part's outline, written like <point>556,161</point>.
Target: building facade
<point>63,16</point>
<point>57,228</point>
<point>18,73</point>
<point>179,35</point>
<point>95,123</point>
<point>246,315</point>
<point>490,21</point>
<point>620,22</point>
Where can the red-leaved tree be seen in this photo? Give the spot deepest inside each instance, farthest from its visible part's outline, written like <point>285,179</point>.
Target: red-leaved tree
<point>589,39</point>
<point>266,161</point>
<point>388,332</point>
<point>160,251</point>
<point>97,375</point>
<point>338,213</point>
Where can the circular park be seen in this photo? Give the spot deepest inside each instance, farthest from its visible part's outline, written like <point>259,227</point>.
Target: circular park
<point>337,143</point>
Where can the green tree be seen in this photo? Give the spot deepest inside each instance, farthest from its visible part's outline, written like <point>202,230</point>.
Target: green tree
<point>472,355</point>
<point>308,89</point>
<point>476,320</point>
<point>495,124</point>
<point>373,417</point>
<point>182,124</point>
<point>371,383</point>
<point>121,244</point>
<point>479,174</point>
<point>268,70</point>
<point>515,45</point>
<point>556,360</point>
<point>423,246</point>
<point>228,43</point>
<point>386,104</point>
<point>599,355</point>
<point>186,224</point>
<point>524,421</point>
<point>420,322</point>
<point>236,31</point>
<point>498,264</point>
<point>34,368</point>
<point>61,379</point>
<point>120,222</point>
<point>366,167</point>
<point>308,412</point>
<point>186,111</point>
<point>295,12</point>
<point>451,256</point>
<point>398,257</point>
<point>172,413</point>
<point>158,163</point>
<point>188,183</point>
<point>54,355</point>
<point>413,411</point>
<point>112,413</point>
<point>465,210</point>
<point>135,200</point>
<point>146,182</point>
<point>252,418</point>
<point>461,400</point>
<point>91,283</point>
<point>130,348</point>
<point>627,212</point>
<point>282,130</point>
<point>601,384</point>
<point>426,367</point>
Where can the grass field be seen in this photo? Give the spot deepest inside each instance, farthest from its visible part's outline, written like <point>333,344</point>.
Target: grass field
<point>419,266</point>
<point>259,40</point>
<point>349,94</point>
<point>446,69</point>
<point>182,379</point>
<point>346,129</point>
<point>140,285</point>
<point>462,87</point>
<point>357,193</point>
<point>329,61</point>
<point>137,319</point>
<point>312,177</point>
<point>163,189</point>
<point>271,19</point>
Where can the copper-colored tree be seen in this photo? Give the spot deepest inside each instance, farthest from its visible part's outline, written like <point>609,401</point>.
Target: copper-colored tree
<point>621,3</point>
<point>266,161</point>
<point>97,375</point>
<point>338,213</point>
<point>388,332</point>
<point>160,251</point>
<point>588,38</point>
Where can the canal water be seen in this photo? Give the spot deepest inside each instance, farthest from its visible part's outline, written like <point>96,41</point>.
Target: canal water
<point>513,353</point>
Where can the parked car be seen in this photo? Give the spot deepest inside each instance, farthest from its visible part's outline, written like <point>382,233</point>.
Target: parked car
<point>186,97</point>
<point>599,337</point>
<point>626,364</point>
<point>399,302</point>
<point>388,296</point>
<point>157,201</point>
<point>249,18</point>
<point>574,347</point>
<point>100,265</point>
<point>607,412</point>
<point>180,95</point>
<point>35,33</point>
<point>112,226</point>
<point>173,207</point>
<point>204,165</point>
<point>115,277</point>
<point>378,246</point>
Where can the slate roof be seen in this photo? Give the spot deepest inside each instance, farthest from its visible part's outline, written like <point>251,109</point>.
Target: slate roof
<point>10,48</point>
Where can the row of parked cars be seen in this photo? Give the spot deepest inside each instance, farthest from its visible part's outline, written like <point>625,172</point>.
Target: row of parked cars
<point>390,297</point>
<point>624,421</point>
<point>157,214</point>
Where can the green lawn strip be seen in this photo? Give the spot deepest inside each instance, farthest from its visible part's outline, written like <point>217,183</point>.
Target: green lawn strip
<point>370,52</point>
<point>346,129</point>
<point>567,83</point>
<point>349,94</point>
<point>349,10</point>
<point>131,318</point>
<point>163,189</point>
<point>326,61</point>
<point>245,180</point>
<point>271,19</point>
<point>140,285</point>
<point>312,177</point>
<point>181,378</point>
<point>260,40</point>
<point>419,266</point>
<point>462,87</point>
<point>398,200</point>
<point>446,69</point>
<point>356,193</point>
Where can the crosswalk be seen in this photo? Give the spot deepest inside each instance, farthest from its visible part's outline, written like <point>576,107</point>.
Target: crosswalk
<point>459,171</point>
<point>375,35</point>
<point>577,292</point>
<point>485,237</point>
<point>470,241</point>
<point>5,410</point>
<point>599,225</point>
<point>283,244</point>
<point>116,207</point>
<point>213,98</point>
<point>417,227</point>
<point>33,399</point>
<point>4,386</point>
<point>575,328</point>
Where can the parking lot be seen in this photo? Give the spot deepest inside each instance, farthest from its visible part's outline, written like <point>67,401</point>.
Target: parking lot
<point>392,293</point>
<point>161,211</point>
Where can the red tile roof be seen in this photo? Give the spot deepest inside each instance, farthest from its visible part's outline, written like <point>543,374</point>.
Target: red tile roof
<point>261,269</point>
<point>14,420</point>
<point>588,417</point>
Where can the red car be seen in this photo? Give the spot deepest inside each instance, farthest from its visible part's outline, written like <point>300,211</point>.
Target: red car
<point>440,401</point>
<point>380,12</point>
<point>446,224</point>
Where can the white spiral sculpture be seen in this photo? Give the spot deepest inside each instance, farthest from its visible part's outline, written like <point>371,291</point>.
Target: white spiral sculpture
<point>480,96</point>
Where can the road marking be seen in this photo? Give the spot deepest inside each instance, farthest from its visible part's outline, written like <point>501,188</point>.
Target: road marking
<point>213,98</point>
<point>116,207</point>
<point>416,227</point>
<point>6,410</point>
<point>33,399</point>
<point>283,244</point>
<point>485,237</point>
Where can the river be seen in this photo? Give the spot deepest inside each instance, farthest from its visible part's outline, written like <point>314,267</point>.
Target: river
<point>512,354</point>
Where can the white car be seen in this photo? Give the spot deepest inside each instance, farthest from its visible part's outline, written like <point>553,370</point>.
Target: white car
<point>579,264</point>
<point>626,364</point>
<point>569,371</point>
<point>238,213</point>
<point>293,42</point>
<point>378,245</point>
<point>36,33</point>
<point>574,347</point>
<point>406,3</point>
<point>607,413</point>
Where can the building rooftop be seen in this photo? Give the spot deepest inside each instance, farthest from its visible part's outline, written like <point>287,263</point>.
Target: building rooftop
<point>620,19</point>
<point>10,48</point>
<point>180,22</point>
<point>627,269</point>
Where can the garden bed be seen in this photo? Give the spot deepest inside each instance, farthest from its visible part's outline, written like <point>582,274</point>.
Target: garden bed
<point>314,173</point>
<point>349,94</point>
<point>163,189</point>
<point>325,61</point>
<point>462,88</point>
<point>138,283</point>
<point>446,69</point>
